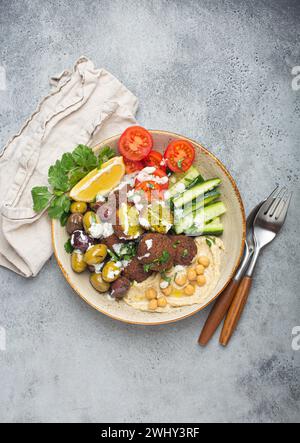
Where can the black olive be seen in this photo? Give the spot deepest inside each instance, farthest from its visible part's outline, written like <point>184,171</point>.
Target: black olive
<point>74,223</point>
<point>81,240</point>
<point>119,287</point>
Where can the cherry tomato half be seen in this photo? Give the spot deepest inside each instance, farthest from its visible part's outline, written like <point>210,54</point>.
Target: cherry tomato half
<point>151,189</point>
<point>179,155</point>
<point>135,143</point>
<point>155,158</point>
<point>156,177</point>
<point>131,166</point>
<point>162,174</point>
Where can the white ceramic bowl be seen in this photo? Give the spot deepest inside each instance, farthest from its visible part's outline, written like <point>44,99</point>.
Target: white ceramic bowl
<point>233,238</point>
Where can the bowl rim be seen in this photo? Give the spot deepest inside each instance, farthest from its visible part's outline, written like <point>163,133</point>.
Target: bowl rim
<point>241,205</point>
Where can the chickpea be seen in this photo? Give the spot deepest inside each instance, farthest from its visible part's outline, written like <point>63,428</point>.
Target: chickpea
<point>201,280</point>
<point>153,304</point>
<point>200,269</point>
<point>89,218</point>
<point>163,284</point>
<point>189,290</point>
<point>111,271</point>
<point>95,254</point>
<point>98,283</point>
<point>77,262</point>
<point>191,275</point>
<point>203,260</point>
<point>162,302</point>
<point>167,291</point>
<point>151,294</point>
<point>181,279</point>
<point>79,207</point>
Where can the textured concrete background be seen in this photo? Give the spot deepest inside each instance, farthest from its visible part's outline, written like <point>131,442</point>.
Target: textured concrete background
<point>219,72</point>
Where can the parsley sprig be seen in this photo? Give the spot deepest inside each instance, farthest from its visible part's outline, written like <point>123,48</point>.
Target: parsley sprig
<point>179,163</point>
<point>68,246</point>
<point>104,155</point>
<point>161,260</point>
<point>63,176</point>
<point>210,241</point>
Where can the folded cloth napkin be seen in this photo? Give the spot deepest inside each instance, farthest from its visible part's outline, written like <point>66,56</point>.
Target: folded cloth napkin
<point>85,106</point>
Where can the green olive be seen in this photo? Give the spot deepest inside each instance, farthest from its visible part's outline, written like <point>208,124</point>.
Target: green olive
<point>98,283</point>
<point>77,262</point>
<point>89,218</point>
<point>95,254</point>
<point>80,207</point>
<point>111,271</point>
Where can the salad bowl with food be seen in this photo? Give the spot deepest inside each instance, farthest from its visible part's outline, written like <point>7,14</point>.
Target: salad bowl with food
<point>148,227</point>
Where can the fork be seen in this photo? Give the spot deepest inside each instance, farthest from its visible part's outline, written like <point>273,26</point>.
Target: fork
<point>222,305</point>
<point>267,224</point>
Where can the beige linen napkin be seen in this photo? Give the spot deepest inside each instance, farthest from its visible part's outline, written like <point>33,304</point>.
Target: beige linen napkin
<point>85,106</point>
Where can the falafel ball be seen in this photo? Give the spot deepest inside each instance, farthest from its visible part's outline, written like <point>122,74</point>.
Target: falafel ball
<point>120,234</point>
<point>112,240</point>
<point>185,249</point>
<point>156,250</point>
<point>135,271</point>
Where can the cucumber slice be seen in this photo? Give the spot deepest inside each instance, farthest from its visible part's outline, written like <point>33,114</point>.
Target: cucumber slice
<point>215,227</point>
<point>214,210</point>
<point>184,182</point>
<point>195,182</point>
<point>199,218</point>
<point>209,197</point>
<point>196,191</point>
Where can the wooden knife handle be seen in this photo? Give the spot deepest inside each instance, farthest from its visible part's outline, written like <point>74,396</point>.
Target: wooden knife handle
<point>218,312</point>
<point>236,310</point>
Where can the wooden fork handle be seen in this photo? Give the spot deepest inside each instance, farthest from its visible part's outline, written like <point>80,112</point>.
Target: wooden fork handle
<point>217,313</point>
<point>236,310</point>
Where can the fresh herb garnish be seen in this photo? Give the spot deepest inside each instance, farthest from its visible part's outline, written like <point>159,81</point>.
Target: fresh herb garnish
<point>210,241</point>
<point>128,251</point>
<point>147,267</point>
<point>176,244</point>
<point>113,255</point>
<point>68,247</point>
<point>185,253</point>
<point>41,198</point>
<point>59,206</point>
<point>64,218</point>
<point>165,277</point>
<point>62,177</point>
<point>105,154</point>
<point>179,163</point>
<point>164,257</point>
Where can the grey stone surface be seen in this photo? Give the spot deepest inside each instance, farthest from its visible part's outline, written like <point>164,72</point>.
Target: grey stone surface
<point>219,72</point>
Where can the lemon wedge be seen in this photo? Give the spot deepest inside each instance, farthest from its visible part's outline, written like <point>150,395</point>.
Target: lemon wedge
<point>99,181</point>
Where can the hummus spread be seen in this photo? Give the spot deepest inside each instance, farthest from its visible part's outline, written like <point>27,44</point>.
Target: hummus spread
<point>211,248</point>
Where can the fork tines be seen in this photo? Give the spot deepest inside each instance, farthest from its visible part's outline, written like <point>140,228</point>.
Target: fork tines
<point>277,204</point>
